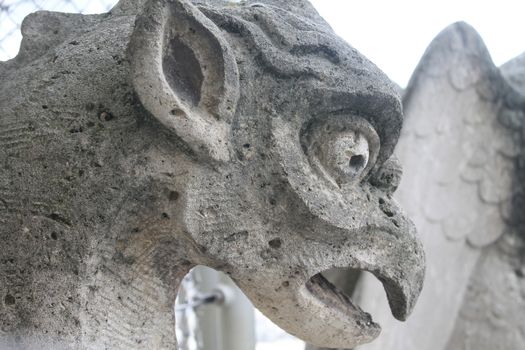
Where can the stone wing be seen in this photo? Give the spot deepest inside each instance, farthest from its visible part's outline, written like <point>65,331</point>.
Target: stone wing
<point>458,152</point>
<point>457,155</point>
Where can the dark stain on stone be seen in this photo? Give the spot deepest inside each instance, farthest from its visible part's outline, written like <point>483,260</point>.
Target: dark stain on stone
<point>236,235</point>
<point>275,243</point>
<point>59,218</point>
<point>173,195</point>
<point>9,299</point>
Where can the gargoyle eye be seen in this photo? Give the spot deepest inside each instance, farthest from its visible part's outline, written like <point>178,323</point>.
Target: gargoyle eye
<point>342,149</point>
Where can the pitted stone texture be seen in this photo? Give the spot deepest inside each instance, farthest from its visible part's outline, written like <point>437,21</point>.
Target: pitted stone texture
<point>167,133</point>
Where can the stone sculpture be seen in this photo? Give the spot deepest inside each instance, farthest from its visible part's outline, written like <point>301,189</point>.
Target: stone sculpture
<point>245,136</point>
<point>463,153</point>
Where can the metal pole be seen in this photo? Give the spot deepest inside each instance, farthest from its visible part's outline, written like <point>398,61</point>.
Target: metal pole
<point>238,319</point>
<point>228,322</point>
<point>208,316</point>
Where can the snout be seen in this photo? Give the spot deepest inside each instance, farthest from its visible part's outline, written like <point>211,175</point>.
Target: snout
<point>326,226</point>
<point>299,299</point>
<point>379,239</point>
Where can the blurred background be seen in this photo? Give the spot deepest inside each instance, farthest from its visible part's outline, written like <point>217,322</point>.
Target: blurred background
<point>211,313</point>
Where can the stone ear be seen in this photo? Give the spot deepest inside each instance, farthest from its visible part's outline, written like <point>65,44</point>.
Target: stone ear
<point>185,74</point>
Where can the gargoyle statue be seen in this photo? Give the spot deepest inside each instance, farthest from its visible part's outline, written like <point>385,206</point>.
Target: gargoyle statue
<point>463,148</point>
<point>246,137</point>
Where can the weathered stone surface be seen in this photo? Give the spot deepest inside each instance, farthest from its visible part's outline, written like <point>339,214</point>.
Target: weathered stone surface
<point>246,137</point>
<point>463,153</point>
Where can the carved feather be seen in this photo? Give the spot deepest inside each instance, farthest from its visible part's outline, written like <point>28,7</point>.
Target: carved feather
<point>458,154</point>
<point>460,148</point>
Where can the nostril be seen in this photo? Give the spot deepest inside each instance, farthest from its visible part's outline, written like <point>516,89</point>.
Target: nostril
<point>386,208</point>
<point>388,176</point>
<point>357,161</point>
<point>388,212</point>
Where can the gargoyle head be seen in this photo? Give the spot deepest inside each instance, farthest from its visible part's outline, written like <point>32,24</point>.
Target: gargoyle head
<point>293,131</point>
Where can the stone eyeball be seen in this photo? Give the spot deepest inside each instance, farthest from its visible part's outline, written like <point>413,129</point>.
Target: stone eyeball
<point>347,154</point>
<point>342,149</point>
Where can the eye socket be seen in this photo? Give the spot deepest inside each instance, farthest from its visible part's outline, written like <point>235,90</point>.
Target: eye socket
<point>343,149</point>
<point>357,162</point>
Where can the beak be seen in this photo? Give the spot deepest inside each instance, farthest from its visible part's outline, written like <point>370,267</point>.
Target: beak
<point>310,307</point>
<point>360,228</point>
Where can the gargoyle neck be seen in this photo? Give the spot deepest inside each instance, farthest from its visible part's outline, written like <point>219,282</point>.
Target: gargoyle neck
<point>117,294</point>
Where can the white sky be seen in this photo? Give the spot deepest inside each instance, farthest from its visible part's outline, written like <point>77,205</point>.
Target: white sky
<point>391,33</point>
<point>394,33</point>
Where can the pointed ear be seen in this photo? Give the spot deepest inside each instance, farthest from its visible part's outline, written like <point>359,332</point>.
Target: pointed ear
<point>185,74</point>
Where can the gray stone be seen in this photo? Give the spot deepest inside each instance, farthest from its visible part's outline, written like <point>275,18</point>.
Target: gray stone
<point>463,154</point>
<point>139,143</point>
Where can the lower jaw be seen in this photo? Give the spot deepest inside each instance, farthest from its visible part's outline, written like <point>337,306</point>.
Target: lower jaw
<point>327,293</point>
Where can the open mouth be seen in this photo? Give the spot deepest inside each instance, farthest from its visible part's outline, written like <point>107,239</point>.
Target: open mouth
<point>322,309</point>
<point>334,288</point>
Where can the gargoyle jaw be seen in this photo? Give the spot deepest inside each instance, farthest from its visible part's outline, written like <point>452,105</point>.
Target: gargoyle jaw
<point>331,296</point>
<point>316,311</point>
